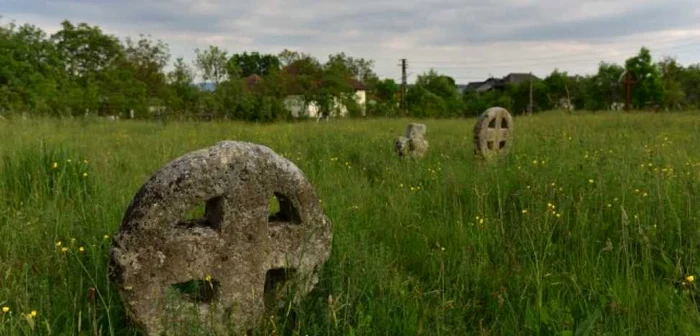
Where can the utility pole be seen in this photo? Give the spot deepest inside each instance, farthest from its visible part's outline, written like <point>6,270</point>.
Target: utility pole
<point>628,90</point>
<point>529,108</point>
<point>403,87</point>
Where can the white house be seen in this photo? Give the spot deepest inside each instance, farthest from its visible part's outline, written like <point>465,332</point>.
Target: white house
<point>300,109</point>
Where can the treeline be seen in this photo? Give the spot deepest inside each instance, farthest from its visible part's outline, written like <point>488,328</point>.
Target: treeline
<point>80,69</point>
<point>664,85</point>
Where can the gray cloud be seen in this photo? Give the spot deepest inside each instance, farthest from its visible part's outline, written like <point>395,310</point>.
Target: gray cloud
<point>473,35</point>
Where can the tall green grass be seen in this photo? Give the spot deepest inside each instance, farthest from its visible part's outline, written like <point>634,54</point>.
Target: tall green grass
<point>590,226</point>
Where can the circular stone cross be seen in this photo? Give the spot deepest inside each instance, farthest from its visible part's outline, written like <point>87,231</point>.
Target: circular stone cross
<point>493,133</point>
<point>199,247</point>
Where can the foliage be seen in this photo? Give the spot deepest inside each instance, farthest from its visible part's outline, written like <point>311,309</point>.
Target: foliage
<point>212,62</point>
<point>433,96</point>
<point>244,65</point>
<point>81,70</point>
<point>648,89</point>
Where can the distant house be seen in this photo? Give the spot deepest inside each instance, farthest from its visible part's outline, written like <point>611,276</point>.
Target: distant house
<point>499,84</point>
<point>300,108</point>
<point>517,78</point>
<point>472,86</point>
<point>252,80</point>
<point>491,84</point>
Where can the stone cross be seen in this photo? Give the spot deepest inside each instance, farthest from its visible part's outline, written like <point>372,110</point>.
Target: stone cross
<point>234,256</point>
<point>493,133</point>
<point>413,143</point>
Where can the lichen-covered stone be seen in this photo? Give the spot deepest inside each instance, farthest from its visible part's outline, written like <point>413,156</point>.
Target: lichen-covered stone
<point>415,130</point>
<point>413,144</point>
<point>493,133</point>
<point>236,253</point>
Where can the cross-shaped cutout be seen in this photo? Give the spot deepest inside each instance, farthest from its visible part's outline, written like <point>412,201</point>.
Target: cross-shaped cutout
<point>497,133</point>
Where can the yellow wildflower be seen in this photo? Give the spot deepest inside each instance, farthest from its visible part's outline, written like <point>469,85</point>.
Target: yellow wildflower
<point>54,165</point>
<point>591,181</point>
<point>58,243</point>
<point>81,249</point>
<point>106,237</point>
<point>85,174</point>
<point>207,278</point>
<point>6,309</point>
<point>524,211</point>
<point>64,249</point>
<point>690,278</point>
<point>33,313</point>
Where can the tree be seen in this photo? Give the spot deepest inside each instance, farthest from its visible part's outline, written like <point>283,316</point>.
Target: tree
<point>358,69</point>
<point>434,95</point>
<point>244,65</point>
<point>604,88</point>
<point>212,63</point>
<point>288,57</point>
<point>671,73</point>
<point>85,50</point>
<point>29,69</point>
<point>557,86</point>
<point>648,88</point>
<point>303,77</point>
<point>181,82</point>
<point>690,84</point>
<point>148,59</point>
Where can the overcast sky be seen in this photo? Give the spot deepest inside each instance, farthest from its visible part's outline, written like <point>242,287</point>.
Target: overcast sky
<point>466,39</point>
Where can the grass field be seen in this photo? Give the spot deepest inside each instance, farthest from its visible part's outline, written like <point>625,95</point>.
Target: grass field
<point>591,226</point>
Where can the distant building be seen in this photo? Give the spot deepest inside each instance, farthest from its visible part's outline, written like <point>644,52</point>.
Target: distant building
<point>300,108</point>
<point>499,84</point>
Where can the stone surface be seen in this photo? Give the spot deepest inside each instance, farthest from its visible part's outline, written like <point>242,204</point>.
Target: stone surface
<point>234,255</point>
<point>414,131</point>
<point>493,133</point>
<point>413,144</point>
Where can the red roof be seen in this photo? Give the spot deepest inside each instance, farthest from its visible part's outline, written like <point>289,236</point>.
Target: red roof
<point>252,80</point>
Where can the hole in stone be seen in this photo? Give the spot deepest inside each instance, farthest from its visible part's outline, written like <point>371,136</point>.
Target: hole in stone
<point>501,144</point>
<point>195,213</point>
<point>281,209</point>
<point>208,214</point>
<point>276,287</point>
<point>504,123</point>
<point>492,123</point>
<point>198,291</point>
<point>489,144</point>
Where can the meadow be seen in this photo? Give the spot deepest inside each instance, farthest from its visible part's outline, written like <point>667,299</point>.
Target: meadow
<point>590,226</point>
